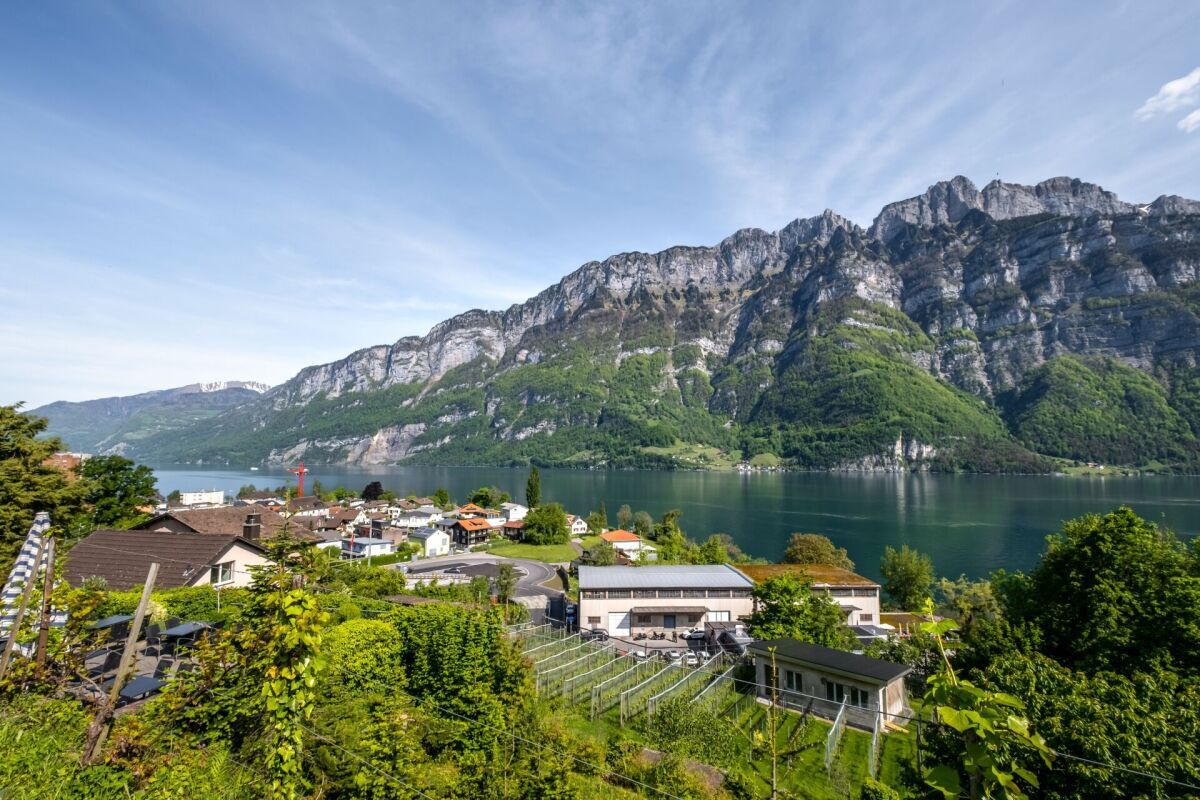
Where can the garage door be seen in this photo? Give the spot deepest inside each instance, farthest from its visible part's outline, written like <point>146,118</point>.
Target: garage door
<point>618,623</point>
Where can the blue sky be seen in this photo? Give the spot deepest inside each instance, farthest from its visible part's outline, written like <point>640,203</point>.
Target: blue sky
<point>207,191</point>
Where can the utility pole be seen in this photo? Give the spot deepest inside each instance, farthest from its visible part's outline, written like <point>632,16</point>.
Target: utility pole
<point>47,588</point>
<point>25,595</point>
<point>98,730</point>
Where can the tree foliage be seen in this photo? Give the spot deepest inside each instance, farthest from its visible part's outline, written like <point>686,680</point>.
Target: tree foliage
<point>907,577</point>
<point>785,607</point>
<point>813,548</point>
<point>546,524</point>
<point>27,484</point>
<point>489,497</point>
<point>117,491</point>
<point>533,488</point>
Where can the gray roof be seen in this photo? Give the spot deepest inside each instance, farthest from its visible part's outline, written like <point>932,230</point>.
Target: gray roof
<point>703,576</point>
<point>852,665</point>
<point>423,533</point>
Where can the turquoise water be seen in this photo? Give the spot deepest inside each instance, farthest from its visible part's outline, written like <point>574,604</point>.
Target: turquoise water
<point>969,524</point>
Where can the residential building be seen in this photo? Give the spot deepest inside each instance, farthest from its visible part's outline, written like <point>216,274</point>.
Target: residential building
<point>209,497</point>
<point>629,600</point>
<point>858,596</point>
<point>419,517</point>
<point>364,546</point>
<point>513,529</point>
<point>307,506</point>
<point>123,558</point>
<point>467,532</point>
<point>822,679</point>
<point>624,542</point>
<point>577,525</point>
<point>433,541</point>
<point>251,522</point>
<point>470,510</point>
<point>513,512</point>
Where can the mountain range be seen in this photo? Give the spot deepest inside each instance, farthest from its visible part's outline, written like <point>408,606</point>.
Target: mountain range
<point>993,329</point>
<point>119,425</point>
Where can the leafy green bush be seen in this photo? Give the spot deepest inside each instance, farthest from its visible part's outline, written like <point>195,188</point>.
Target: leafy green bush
<point>364,654</point>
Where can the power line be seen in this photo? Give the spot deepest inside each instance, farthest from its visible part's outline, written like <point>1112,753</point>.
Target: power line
<point>356,756</point>
<point>933,721</point>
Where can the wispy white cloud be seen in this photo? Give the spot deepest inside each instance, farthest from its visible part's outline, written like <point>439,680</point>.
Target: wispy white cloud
<point>1172,96</point>
<point>1190,123</point>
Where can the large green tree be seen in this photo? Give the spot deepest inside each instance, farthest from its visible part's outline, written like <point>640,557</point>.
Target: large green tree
<point>489,497</point>
<point>546,524</point>
<point>27,484</point>
<point>1113,592</point>
<point>907,577</point>
<point>117,489</point>
<point>813,548</point>
<point>786,607</point>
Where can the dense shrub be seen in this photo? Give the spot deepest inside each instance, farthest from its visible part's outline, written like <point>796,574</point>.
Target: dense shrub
<point>364,654</point>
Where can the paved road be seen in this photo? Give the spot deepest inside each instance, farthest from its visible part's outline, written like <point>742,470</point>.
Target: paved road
<point>531,574</point>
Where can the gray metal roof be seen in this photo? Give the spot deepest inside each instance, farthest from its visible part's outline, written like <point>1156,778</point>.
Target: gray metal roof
<point>703,576</point>
<point>871,670</point>
<point>423,533</point>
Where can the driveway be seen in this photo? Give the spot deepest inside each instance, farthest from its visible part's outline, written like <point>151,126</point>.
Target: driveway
<point>530,574</point>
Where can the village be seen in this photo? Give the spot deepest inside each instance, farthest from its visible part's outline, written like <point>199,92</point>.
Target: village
<point>618,638</point>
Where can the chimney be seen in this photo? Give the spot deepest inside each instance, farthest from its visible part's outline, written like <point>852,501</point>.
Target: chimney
<point>251,528</point>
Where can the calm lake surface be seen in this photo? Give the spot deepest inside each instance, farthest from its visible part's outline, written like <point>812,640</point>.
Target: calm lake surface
<point>969,524</point>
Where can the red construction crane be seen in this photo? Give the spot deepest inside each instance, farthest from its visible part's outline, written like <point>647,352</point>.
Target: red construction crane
<point>299,473</point>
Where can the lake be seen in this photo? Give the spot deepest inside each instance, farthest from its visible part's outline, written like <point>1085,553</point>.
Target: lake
<point>968,524</point>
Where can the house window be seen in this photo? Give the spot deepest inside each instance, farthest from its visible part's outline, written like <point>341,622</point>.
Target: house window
<point>693,593</point>
<point>718,593</point>
<point>643,619</point>
<point>645,593</point>
<point>593,621</point>
<point>864,592</point>
<point>793,680</point>
<point>221,573</point>
<point>866,617</point>
<point>618,594</point>
<point>593,594</point>
<point>670,593</point>
<point>739,592</point>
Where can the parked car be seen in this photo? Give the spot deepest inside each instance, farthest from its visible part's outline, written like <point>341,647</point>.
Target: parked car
<point>674,656</point>
<point>695,633</point>
<point>691,659</point>
<point>594,634</point>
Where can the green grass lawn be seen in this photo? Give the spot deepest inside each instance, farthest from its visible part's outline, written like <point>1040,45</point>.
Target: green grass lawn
<point>550,553</point>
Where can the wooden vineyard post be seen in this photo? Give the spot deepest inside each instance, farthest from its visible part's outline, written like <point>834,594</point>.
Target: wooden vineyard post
<point>99,727</point>
<point>47,588</point>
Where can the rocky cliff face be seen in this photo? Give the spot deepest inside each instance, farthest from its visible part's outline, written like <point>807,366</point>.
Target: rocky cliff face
<point>761,341</point>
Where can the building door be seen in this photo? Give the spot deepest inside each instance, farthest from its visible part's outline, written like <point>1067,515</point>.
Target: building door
<point>618,623</point>
<point>668,620</point>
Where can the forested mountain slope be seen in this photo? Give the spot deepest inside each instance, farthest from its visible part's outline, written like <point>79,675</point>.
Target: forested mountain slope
<point>114,425</point>
<point>966,328</point>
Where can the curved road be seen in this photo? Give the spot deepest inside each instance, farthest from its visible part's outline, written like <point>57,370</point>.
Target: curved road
<point>530,574</point>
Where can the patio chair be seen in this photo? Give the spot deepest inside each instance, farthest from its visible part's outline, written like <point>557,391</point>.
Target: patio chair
<point>153,643</point>
<point>172,622</point>
<point>162,670</point>
<point>112,660</point>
